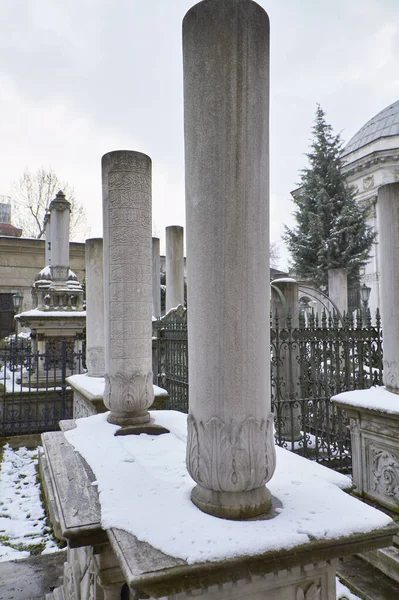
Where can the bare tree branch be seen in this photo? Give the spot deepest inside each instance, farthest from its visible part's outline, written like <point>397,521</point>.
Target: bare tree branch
<point>32,195</point>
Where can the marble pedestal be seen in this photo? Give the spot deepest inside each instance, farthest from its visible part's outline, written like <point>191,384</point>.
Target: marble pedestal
<point>374,425</point>
<point>115,559</point>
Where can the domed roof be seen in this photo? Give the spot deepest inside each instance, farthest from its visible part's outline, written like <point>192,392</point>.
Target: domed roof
<point>384,124</point>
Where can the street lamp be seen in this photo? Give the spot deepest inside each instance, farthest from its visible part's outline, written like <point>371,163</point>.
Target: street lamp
<point>17,303</point>
<point>364,297</point>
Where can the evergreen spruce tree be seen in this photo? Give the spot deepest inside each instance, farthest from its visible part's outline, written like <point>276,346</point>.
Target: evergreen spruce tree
<point>332,230</point>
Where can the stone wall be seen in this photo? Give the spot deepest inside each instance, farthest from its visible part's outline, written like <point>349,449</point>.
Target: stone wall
<point>21,259</point>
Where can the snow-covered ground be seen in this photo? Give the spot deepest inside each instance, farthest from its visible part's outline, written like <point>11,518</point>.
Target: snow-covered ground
<point>23,527</point>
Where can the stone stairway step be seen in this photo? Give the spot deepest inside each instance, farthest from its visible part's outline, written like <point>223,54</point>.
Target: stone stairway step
<point>366,581</point>
<point>31,578</point>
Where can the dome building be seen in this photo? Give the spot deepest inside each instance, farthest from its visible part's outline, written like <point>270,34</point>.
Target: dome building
<point>371,159</point>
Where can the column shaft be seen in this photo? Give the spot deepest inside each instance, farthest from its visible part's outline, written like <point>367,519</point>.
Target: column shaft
<point>174,266</point>
<point>95,360</point>
<point>156,278</point>
<point>230,450</point>
<point>126,180</point>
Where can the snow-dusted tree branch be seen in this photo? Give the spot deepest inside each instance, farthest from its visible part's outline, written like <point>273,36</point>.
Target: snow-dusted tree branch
<point>31,198</point>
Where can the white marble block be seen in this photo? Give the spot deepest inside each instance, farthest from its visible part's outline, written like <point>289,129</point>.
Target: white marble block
<point>126,180</point>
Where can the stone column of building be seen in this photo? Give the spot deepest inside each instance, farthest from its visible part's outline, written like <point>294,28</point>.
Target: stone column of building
<point>156,278</point>
<point>95,360</point>
<point>47,234</point>
<point>230,448</point>
<point>338,288</point>
<point>126,178</point>
<point>174,266</point>
<point>60,211</point>
<point>288,410</point>
<point>388,248</point>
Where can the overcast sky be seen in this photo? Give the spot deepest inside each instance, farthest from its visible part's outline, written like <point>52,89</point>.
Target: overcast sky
<point>79,78</point>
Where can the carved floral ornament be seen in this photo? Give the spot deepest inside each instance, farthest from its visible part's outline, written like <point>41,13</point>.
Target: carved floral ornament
<point>385,473</point>
<point>232,456</point>
<point>391,374</point>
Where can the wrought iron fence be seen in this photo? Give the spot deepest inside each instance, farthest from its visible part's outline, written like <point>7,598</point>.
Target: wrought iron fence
<point>34,394</point>
<point>172,349</point>
<point>309,364</point>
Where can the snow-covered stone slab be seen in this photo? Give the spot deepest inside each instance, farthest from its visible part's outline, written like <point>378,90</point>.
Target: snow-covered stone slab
<point>148,496</point>
<point>374,399</point>
<point>138,489</point>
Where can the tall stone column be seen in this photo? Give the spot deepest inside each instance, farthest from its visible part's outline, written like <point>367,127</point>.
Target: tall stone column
<point>156,278</point>
<point>47,235</point>
<point>126,178</point>
<point>230,448</point>
<point>95,360</point>
<point>388,247</point>
<point>60,212</point>
<point>338,288</point>
<point>174,266</point>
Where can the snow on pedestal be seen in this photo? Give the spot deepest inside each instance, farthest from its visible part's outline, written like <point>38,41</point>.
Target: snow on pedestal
<point>126,179</point>
<point>95,308</point>
<point>230,452</point>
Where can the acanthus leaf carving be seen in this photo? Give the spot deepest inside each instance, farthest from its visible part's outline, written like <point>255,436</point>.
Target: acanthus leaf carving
<point>231,457</point>
<point>385,473</point>
<point>128,393</point>
<point>312,593</point>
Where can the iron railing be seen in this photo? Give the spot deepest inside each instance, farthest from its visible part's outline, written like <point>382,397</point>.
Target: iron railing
<point>309,364</point>
<point>34,394</point>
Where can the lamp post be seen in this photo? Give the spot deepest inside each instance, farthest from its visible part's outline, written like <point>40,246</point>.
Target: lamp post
<point>17,303</point>
<point>364,298</point>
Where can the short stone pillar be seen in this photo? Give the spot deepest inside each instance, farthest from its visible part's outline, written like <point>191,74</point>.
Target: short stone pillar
<point>230,447</point>
<point>288,406</point>
<point>60,211</point>
<point>95,360</point>
<point>388,247</point>
<point>126,178</point>
<point>156,278</point>
<point>47,235</point>
<point>174,267</point>
<point>338,288</point>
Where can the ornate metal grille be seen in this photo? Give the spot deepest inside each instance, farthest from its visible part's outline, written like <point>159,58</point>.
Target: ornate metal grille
<point>309,364</point>
<point>173,357</point>
<point>33,404</point>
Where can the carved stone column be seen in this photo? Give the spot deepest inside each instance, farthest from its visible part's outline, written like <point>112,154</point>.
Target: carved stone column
<point>288,405</point>
<point>388,248</point>
<point>156,278</point>
<point>174,266</point>
<point>230,449</point>
<point>128,391</point>
<point>95,308</point>
<point>60,210</point>
<point>47,234</point>
<point>338,288</point>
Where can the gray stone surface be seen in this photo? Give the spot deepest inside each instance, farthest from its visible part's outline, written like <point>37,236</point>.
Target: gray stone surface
<point>31,578</point>
<point>156,278</point>
<point>95,359</point>
<point>366,581</point>
<point>126,180</point>
<point>230,450</point>
<point>388,219</point>
<point>338,288</point>
<point>174,267</point>
<point>47,235</point>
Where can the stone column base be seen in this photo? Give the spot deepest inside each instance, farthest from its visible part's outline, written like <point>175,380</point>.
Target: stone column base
<point>232,505</point>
